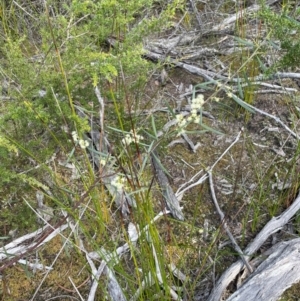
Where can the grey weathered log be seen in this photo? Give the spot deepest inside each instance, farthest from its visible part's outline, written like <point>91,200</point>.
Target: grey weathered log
<point>241,14</point>
<point>154,54</point>
<point>171,200</point>
<point>273,226</point>
<point>276,274</point>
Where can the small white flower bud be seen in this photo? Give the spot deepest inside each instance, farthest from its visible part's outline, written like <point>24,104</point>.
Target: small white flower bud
<point>74,136</point>
<point>83,143</point>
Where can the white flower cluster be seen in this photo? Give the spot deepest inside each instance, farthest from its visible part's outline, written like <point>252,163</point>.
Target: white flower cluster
<point>182,122</point>
<point>197,104</point>
<point>229,94</point>
<point>131,137</point>
<point>82,143</point>
<point>103,161</point>
<point>118,182</point>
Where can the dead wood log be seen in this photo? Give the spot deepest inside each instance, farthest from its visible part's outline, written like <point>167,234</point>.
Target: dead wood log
<point>273,226</point>
<point>277,273</point>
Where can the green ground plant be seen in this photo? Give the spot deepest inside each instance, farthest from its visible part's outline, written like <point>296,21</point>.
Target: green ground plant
<point>46,76</point>
<point>52,58</point>
<point>284,27</point>
<point>49,66</point>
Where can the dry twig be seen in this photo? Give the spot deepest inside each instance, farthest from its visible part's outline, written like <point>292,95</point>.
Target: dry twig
<point>224,223</point>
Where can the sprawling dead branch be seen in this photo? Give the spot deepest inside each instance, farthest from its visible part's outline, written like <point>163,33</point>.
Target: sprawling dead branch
<point>273,226</point>
<point>274,275</point>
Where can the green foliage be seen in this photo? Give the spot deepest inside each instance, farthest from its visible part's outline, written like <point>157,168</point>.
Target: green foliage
<point>51,59</point>
<point>70,53</point>
<point>284,27</point>
<point>76,46</point>
<point>8,151</point>
<point>21,219</point>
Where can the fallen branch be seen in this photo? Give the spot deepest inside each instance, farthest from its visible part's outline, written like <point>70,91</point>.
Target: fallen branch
<point>21,246</point>
<point>276,274</point>
<point>273,226</point>
<point>213,76</point>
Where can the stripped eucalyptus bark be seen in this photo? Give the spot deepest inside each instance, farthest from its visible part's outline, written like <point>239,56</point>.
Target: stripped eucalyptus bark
<point>273,226</point>
<point>276,274</point>
<point>171,200</point>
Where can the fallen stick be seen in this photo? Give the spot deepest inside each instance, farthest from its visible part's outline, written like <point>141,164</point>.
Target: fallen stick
<point>224,224</point>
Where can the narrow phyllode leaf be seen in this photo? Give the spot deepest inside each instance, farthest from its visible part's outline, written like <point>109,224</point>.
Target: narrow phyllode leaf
<point>242,103</point>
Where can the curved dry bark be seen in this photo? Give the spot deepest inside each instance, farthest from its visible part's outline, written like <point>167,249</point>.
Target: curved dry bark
<point>171,200</point>
<point>276,274</point>
<point>273,226</point>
